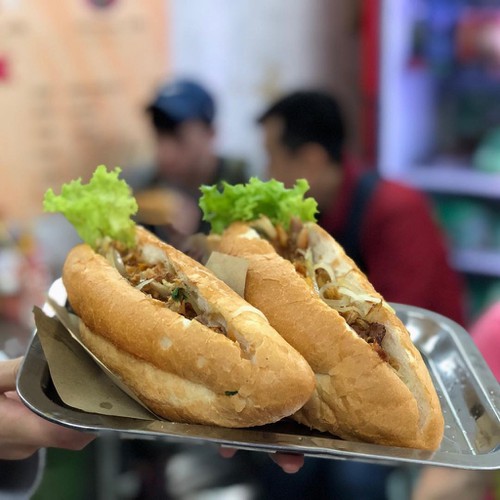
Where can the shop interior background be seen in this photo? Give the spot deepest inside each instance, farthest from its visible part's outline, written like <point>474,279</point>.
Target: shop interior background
<point>419,82</point>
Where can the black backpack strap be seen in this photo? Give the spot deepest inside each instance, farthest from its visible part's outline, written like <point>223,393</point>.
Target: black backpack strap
<point>351,236</point>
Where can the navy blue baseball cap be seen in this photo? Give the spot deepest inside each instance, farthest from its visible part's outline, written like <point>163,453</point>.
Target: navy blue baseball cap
<point>183,100</point>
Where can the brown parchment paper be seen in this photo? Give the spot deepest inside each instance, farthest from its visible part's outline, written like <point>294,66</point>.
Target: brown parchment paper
<point>231,270</point>
<point>79,381</point>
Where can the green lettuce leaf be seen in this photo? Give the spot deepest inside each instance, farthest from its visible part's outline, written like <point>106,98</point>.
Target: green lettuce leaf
<point>101,208</point>
<point>246,202</point>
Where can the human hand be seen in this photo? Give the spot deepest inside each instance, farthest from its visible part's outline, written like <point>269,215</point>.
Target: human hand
<point>290,463</point>
<point>22,432</point>
<point>440,483</point>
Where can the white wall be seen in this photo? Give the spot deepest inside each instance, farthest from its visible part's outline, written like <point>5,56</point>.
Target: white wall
<point>248,52</point>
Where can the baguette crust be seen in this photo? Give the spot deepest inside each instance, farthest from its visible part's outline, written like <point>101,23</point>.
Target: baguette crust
<point>358,395</point>
<point>180,368</point>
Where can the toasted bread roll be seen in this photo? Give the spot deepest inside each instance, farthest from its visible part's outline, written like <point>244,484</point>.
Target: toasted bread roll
<point>371,382</point>
<point>187,345</point>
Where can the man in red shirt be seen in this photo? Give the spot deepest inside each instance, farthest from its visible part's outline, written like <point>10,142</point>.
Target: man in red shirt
<point>387,228</point>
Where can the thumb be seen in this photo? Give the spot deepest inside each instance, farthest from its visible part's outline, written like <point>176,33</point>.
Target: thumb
<point>8,374</point>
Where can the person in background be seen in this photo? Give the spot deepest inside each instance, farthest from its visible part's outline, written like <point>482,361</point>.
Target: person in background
<point>387,228</point>
<point>182,116</point>
<point>22,437</point>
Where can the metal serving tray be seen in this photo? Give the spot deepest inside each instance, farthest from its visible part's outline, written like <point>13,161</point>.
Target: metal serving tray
<point>469,394</point>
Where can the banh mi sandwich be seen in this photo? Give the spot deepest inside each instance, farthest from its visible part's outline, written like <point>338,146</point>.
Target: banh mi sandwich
<point>187,345</point>
<point>371,382</point>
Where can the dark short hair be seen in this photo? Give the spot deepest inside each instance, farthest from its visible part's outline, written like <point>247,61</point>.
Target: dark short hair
<point>310,116</point>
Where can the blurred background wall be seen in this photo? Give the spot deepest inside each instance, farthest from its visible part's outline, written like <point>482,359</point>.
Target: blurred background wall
<point>74,77</point>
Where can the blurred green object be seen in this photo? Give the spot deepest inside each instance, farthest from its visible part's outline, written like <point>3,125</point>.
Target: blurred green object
<point>468,223</point>
<point>496,233</point>
<point>487,156</point>
<point>477,295</point>
<point>68,474</point>
<point>482,292</point>
<point>493,293</point>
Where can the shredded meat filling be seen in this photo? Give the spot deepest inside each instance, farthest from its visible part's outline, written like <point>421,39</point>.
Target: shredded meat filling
<point>371,332</point>
<point>289,245</point>
<point>161,284</point>
<point>322,277</point>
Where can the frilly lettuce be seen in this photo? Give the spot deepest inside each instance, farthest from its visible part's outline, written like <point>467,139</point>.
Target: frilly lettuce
<point>101,208</point>
<point>246,202</point>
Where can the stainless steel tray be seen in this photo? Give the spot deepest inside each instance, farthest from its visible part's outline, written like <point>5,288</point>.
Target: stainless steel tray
<point>469,394</point>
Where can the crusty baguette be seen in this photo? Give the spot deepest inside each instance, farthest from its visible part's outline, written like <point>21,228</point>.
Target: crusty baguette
<point>358,394</point>
<point>180,368</point>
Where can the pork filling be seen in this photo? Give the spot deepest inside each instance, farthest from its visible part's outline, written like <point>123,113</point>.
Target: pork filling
<point>292,245</point>
<point>160,282</point>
